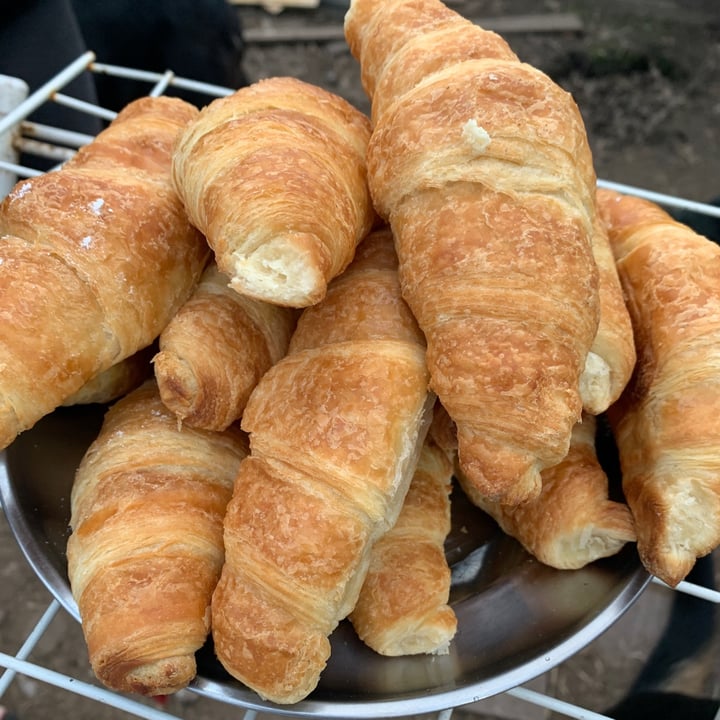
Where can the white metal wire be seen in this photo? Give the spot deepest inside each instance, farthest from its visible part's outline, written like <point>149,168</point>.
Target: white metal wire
<point>557,706</point>
<point>661,198</point>
<point>57,143</point>
<point>84,689</point>
<point>30,642</point>
<point>697,591</point>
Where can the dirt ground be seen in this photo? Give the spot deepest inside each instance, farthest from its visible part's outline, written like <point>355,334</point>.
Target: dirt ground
<point>646,77</point>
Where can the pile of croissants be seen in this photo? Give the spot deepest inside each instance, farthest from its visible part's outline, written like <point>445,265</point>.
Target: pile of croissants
<point>306,322</point>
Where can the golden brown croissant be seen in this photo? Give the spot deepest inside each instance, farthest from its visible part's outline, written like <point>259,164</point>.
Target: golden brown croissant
<point>572,522</point>
<point>275,177</point>
<point>146,546</point>
<point>95,258</point>
<point>481,165</point>
<point>611,359</point>
<point>335,433</point>
<point>666,423</point>
<point>215,350</point>
<point>403,604</point>
<point>116,381</point>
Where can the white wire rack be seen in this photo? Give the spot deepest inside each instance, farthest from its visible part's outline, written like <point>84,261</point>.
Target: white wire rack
<point>19,135</point>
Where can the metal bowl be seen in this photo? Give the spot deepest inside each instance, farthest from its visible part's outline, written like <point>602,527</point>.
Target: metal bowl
<point>516,617</point>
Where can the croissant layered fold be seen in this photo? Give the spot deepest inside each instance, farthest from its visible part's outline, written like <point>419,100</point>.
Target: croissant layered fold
<point>403,605</point>
<point>611,360</point>
<point>481,166</point>
<point>573,521</point>
<point>215,350</point>
<point>336,428</point>
<point>666,423</point>
<point>275,177</point>
<point>115,382</point>
<point>95,258</point>
<point>145,552</point>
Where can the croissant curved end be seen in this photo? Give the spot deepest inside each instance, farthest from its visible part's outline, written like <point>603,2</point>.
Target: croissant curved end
<point>280,272</point>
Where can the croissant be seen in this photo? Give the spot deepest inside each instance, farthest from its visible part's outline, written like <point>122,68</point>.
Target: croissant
<point>95,258</point>
<point>572,522</point>
<point>145,552</point>
<point>275,177</point>
<point>335,432</point>
<point>116,381</point>
<point>666,423</point>
<point>403,604</point>
<point>481,166</point>
<point>611,360</point>
<point>215,350</point>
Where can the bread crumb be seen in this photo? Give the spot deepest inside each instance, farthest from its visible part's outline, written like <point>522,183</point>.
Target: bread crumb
<point>476,135</point>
